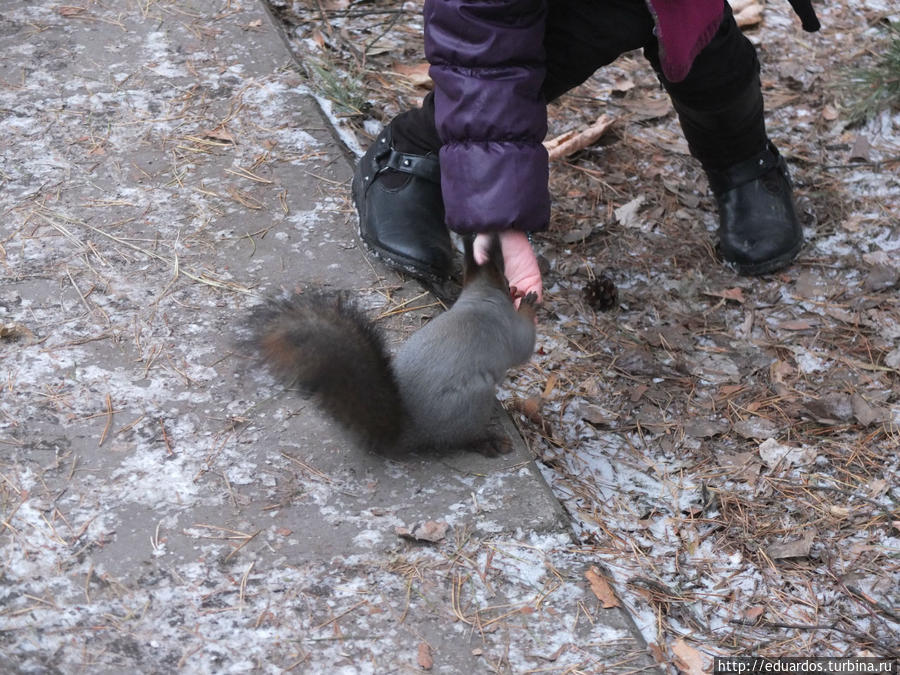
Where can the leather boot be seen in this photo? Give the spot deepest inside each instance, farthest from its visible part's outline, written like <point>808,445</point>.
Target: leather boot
<point>759,231</point>
<point>401,220</point>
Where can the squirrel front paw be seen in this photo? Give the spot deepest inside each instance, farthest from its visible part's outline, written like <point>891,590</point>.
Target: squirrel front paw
<point>528,306</point>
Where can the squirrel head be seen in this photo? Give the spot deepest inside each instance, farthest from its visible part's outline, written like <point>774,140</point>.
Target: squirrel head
<point>491,272</point>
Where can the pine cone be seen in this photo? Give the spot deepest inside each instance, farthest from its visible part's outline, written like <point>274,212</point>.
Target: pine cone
<point>601,293</point>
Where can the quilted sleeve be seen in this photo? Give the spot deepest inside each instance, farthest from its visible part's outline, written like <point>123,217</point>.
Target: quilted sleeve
<point>487,63</point>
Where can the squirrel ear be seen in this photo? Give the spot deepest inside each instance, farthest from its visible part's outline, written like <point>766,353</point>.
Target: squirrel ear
<point>495,254</point>
<point>492,268</point>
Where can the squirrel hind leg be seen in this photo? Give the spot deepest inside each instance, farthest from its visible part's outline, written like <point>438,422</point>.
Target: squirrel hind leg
<point>495,441</point>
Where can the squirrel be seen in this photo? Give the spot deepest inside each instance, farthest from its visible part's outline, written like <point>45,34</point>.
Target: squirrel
<point>437,392</point>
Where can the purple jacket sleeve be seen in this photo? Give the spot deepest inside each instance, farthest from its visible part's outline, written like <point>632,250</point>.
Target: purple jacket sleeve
<point>487,63</point>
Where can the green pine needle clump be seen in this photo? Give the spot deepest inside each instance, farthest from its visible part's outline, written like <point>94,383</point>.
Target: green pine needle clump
<point>874,88</point>
<point>343,89</point>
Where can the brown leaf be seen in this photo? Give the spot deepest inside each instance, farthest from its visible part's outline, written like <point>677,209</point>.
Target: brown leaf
<point>749,16</point>
<point>637,392</point>
<point>867,414</point>
<point>736,294</point>
<point>423,658</point>
<point>753,613</point>
<point>16,331</point>
<point>687,659</point>
<point>861,150</point>
<point>648,108</point>
<point>657,652</point>
<point>220,133</point>
<point>623,84</point>
<point>774,453</point>
<point>795,324</point>
<point>780,370</point>
<point>758,428</point>
<point>69,10</point>
<point>571,142</point>
<point>529,407</point>
<point>742,466</point>
<point>794,548</point>
<point>430,531</point>
<point>702,428</point>
<point>596,415</point>
<point>627,214</point>
<point>417,74</point>
<point>829,113</point>
<point>831,409</point>
<point>601,588</point>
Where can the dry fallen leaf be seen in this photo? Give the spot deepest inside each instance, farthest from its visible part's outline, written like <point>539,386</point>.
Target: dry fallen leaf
<point>751,15</point>
<point>688,659</point>
<point>601,588</point>
<point>648,108</point>
<point>15,331</point>
<point>220,133</point>
<point>594,414</point>
<point>572,141</point>
<point>861,150</point>
<point>774,453</point>
<point>736,294</point>
<point>657,652</point>
<point>753,613</point>
<point>529,407</point>
<point>780,371</point>
<point>622,84</point>
<point>430,530</point>
<point>70,10</point>
<point>831,409</point>
<point>424,658</point>
<point>795,324</point>
<point>627,214</point>
<point>757,428</point>
<point>417,74</point>
<point>794,548</point>
<point>867,414</point>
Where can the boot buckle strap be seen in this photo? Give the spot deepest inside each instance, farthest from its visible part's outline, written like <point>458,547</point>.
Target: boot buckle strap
<point>721,181</point>
<point>423,166</point>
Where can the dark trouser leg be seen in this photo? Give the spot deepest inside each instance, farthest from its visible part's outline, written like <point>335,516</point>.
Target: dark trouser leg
<point>719,103</point>
<point>720,107</point>
<point>414,130</point>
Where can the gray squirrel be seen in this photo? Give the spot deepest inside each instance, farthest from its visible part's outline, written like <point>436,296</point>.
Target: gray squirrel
<point>438,390</point>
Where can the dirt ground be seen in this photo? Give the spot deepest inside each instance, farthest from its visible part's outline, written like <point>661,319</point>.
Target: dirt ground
<point>726,445</point>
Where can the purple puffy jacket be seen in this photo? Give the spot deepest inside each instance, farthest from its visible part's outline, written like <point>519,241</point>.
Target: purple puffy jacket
<point>487,63</point>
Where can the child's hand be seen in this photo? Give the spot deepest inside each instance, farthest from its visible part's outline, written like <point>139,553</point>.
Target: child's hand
<point>520,263</point>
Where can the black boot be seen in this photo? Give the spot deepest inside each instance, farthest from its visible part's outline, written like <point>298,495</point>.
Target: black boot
<point>759,231</point>
<point>401,211</point>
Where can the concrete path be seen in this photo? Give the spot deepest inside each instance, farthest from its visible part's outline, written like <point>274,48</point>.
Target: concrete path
<point>163,507</point>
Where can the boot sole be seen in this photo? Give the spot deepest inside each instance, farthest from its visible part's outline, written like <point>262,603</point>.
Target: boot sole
<point>769,266</point>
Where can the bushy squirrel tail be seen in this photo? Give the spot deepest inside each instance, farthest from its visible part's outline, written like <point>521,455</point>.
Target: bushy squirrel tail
<point>326,346</point>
